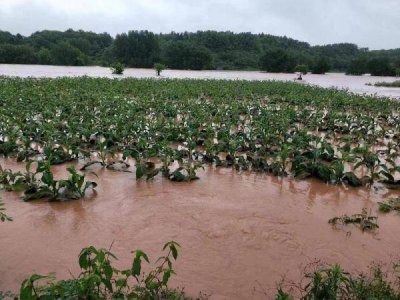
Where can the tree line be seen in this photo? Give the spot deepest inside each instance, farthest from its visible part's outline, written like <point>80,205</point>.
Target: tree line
<point>197,51</point>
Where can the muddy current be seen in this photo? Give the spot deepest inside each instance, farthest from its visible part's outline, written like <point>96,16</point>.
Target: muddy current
<point>240,233</point>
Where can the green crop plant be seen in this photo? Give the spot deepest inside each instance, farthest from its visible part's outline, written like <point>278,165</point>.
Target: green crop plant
<point>279,128</point>
<point>100,279</point>
<point>41,184</point>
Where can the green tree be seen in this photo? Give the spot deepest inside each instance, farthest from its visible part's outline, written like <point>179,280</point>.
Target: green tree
<point>380,67</point>
<point>64,53</point>
<point>321,66</point>
<point>44,56</point>
<point>303,69</point>
<point>17,54</point>
<point>137,49</point>
<point>358,66</point>
<point>159,68</point>
<point>277,60</point>
<point>183,55</point>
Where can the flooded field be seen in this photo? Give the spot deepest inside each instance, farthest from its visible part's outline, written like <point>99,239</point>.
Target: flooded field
<point>355,84</point>
<point>240,232</point>
<point>290,157</point>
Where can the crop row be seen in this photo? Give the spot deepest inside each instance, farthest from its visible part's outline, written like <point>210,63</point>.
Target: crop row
<point>273,127</point>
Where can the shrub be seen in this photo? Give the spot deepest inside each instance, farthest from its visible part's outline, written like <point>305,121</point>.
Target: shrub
<point>335,283</point>
<point>303,69</point>
<point>159,68</point>
<point>118,68</point>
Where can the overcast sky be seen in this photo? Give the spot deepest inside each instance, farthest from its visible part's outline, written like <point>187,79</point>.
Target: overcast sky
<point>368,23</point>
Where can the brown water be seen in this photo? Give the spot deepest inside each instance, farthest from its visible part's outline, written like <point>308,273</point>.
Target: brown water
<point>355,84</point>
<point>240,233</point>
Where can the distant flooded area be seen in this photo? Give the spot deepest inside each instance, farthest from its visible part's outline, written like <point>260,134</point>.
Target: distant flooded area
<point>356,84</point>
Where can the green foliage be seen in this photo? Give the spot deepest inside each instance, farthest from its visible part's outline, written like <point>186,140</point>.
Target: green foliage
<point>17,54</point>
<point>184,55</point>
<point>173,127</point>
<point>335,283</point>
<point>381,66</point>
<point>137,48</point>
<point>64,53</point>
<point>99,279</point>
<point>277,60</point>
<point>41,183</point>
<point>198,50</point>
<point>303,69</point>
<point>3,216</point>
<point>321,66</point>
<point>358,66</point>
<point>117,68</point>
<point>159,68</point>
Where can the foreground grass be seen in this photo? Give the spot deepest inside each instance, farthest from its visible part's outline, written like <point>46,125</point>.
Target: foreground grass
<point>333,283</point>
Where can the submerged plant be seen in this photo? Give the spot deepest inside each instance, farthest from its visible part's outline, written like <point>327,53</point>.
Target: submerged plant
<point>117,68</point>
<point>41,184</point>
<point>365,221</point>
<point>393,204</point>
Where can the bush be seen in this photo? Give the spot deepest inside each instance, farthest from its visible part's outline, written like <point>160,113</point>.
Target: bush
<point>303,69</point>
<point>118,68</point>
<point>159,68</point>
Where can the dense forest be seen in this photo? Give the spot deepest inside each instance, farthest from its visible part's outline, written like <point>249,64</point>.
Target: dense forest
<point>197,51</point>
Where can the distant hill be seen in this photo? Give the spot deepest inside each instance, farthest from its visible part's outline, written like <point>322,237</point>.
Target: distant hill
<point>197,50</point>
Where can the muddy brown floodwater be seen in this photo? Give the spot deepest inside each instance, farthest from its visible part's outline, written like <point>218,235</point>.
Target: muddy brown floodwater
<point>239,232</point>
